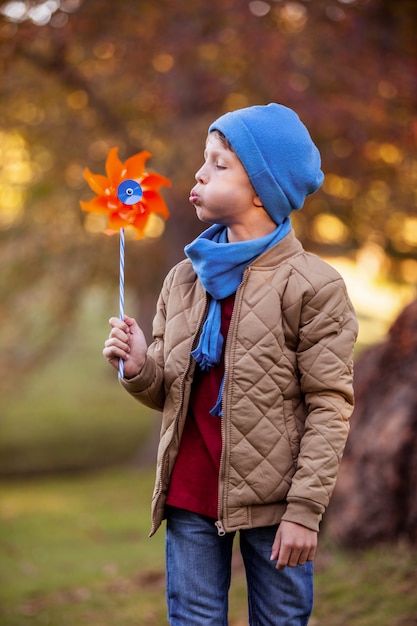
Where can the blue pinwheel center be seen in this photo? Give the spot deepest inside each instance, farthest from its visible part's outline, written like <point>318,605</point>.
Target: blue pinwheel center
<point>129,192</point>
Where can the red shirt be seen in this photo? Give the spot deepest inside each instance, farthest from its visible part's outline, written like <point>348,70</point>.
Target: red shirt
<point>194,479</point>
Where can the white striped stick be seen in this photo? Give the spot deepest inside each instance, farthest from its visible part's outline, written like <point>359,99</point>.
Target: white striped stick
<point>122,289</point>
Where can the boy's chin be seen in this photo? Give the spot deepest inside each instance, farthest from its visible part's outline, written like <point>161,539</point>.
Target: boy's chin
<point>205,218</point>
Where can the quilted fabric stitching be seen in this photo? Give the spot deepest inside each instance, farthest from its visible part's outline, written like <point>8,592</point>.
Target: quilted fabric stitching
<point>262,460</point>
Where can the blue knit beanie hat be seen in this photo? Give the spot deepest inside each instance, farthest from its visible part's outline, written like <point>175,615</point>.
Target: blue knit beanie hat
<point>278,154</point>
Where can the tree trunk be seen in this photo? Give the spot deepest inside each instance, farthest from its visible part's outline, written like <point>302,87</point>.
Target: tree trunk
<point>375,499</point>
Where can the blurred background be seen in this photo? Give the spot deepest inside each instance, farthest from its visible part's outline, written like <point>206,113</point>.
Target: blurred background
<point>81,76</point>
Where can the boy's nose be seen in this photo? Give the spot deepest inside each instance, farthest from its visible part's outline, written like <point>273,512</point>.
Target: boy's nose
<point>200,176</point>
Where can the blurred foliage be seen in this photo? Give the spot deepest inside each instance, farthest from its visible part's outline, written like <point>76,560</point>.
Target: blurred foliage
<point>72,414</point>
<point>80,76</point>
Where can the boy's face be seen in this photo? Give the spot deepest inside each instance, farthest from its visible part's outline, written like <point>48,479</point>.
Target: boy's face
<point>223,193</point>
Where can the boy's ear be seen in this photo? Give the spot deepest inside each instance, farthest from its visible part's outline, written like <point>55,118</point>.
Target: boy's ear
<point>257,202</point>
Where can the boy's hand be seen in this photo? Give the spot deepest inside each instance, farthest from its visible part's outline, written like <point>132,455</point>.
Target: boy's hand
<point>126,341</point>
<point>294,545</point>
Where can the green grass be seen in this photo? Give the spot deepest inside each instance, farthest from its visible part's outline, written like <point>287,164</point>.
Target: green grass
<point>74,547</point>
<point>75,550</point>
<point>368,588</point>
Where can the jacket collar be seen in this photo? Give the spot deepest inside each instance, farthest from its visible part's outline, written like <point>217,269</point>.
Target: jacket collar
<point>288,247</point>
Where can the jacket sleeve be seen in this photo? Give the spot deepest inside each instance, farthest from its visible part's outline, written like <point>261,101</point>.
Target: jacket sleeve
<point>327,334</point>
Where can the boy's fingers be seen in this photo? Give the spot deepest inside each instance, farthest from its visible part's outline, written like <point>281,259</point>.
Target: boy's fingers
<point>115,322</point>
<point>113,352</point>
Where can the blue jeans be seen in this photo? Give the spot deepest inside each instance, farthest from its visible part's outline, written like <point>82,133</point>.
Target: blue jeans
<point>198,564</point>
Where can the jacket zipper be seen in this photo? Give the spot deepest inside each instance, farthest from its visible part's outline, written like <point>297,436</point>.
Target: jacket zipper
<point>220,504</point>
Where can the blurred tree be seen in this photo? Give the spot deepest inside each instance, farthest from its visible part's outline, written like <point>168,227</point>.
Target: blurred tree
<point>79,76</point>
<point>375,500</point>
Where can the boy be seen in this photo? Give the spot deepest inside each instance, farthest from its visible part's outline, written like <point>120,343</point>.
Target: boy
<point>251,366</point>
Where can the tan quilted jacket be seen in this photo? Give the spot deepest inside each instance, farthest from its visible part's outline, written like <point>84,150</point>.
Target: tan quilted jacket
<point>288,388</point>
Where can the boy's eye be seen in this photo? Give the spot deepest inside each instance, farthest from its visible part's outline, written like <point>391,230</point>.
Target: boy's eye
<point>220,166</point>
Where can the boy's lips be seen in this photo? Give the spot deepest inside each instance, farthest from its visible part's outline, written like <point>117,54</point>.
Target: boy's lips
<point>194,197</point>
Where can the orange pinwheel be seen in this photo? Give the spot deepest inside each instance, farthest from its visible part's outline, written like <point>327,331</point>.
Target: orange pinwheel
<point>107,201</point>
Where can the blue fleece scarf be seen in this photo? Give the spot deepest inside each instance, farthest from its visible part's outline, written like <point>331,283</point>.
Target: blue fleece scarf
<point>220,265</point>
